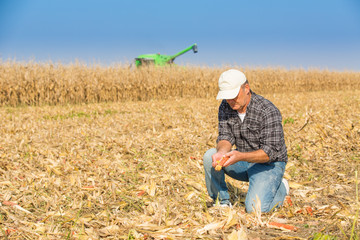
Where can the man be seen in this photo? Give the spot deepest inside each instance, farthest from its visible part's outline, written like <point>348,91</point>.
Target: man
<point>253,124</point>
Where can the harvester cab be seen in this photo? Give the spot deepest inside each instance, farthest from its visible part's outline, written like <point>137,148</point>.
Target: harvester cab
<point>159,59</point>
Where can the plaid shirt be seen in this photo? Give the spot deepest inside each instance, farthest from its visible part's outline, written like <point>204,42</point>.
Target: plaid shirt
<point>261,128</point>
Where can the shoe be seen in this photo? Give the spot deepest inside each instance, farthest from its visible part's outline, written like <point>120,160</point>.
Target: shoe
<point>286,184</point>
<point>225,204</point>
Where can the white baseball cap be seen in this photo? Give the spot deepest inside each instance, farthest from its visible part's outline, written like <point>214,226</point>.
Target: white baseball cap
<point>230,82</point>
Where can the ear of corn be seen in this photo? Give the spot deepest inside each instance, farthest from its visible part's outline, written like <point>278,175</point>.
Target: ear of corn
<point>221,162</point>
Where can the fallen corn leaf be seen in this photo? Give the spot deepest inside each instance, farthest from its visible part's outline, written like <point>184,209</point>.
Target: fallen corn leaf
<point>231,220</point>
<point>152,189</point>
<point>195,185</point>
<point>72,180</point>
<point>282,226</point>
<point>56,171</point>
<point>309,210</point>
<point>211,226</point>
<point>5,183</point>
<point>9,231</point>
<point>189,195</point>
<point>22,209</point>
<point>15,205</point>
<point>40,228</point>
<point>295,185</point>
<point>306,210</point>
<point>238,235</point>
<point>90,188</point>
<point>141,192</point>
<point>8,203</point>
<point>110,230</point>
<point>288,201</point>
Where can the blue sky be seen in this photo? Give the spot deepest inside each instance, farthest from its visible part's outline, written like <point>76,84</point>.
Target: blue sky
<point>323,34</point>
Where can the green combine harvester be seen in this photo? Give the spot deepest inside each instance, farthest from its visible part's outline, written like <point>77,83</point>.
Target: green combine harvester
<point>159,59</point>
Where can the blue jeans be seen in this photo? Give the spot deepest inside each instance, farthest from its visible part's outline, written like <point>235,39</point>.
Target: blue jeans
<point>265,181</point>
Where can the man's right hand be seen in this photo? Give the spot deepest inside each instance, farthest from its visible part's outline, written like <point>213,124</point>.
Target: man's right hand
<point>222,147</point>
<point>216,157</point>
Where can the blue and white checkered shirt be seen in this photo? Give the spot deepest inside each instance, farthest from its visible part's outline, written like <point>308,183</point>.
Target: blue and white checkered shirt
<point>261,128</point>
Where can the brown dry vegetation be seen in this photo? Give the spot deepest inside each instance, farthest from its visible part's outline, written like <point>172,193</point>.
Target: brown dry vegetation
<point>38,84</point>
<point>126,169</point>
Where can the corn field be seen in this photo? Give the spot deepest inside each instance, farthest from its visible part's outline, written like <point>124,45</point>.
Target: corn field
<point>116,153</point>
<point>39,84</point>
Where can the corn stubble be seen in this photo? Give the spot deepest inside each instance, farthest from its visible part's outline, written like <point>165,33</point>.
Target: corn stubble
<point>133,169</point>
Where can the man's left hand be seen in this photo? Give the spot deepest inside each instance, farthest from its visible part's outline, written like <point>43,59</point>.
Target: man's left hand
<point>234,157</point>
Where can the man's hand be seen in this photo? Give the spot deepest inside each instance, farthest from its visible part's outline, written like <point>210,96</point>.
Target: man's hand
<point>216,157</point>
<point>229,158</point>
<point>222,148</point>
<point>233,157</point>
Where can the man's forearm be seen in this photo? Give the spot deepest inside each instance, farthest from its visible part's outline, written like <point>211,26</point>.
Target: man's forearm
<point>258,156</point>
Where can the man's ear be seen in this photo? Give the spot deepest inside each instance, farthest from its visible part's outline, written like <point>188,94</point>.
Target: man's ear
<point>247,89</point>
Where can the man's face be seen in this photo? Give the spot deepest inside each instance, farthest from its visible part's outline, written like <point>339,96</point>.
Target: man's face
<point>240,102</point>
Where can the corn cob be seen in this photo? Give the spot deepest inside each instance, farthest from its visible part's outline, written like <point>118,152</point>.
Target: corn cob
<point>220,163</point>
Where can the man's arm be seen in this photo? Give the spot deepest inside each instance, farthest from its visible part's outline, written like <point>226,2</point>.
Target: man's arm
<point>258,156</point>
<point>222,147</point>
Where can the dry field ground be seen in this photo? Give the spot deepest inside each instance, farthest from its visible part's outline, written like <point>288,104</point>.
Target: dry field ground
<point>131,167</point>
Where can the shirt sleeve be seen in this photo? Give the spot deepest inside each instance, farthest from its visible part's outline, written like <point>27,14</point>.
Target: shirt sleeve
<point>225,132</point>
<point>272,135</point>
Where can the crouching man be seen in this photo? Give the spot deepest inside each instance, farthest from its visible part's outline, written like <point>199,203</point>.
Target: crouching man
<point>254,125</point>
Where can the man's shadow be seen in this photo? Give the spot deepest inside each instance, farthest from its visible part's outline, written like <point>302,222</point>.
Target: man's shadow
<point>237,195</point>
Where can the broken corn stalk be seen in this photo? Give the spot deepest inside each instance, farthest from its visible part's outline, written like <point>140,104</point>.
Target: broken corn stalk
<point>282,226</point>
<point>220,163</point>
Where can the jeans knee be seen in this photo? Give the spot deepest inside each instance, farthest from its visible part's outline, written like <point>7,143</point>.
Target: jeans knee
<point>207,159</point>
